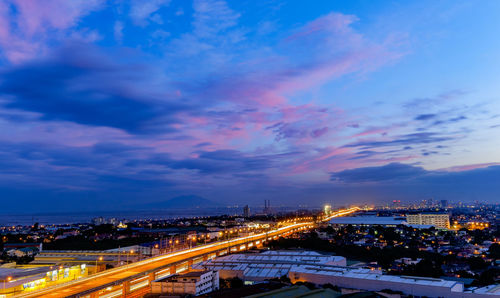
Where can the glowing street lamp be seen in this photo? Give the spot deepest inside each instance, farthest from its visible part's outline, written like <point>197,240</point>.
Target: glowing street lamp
<point>131,252</point>
<point>98,259</point>
<point>9,278</point>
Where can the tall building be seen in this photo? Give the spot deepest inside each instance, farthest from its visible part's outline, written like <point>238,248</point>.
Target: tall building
<point>246,211</point>
<point>439,220</point>
<point>98,220</point>
<point>327,209</point>
<point>267,206</point>
<point>396,204</point>
<point>444,203</point>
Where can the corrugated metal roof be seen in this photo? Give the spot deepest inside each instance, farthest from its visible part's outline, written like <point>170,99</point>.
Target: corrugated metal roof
<point>365,274</point>
<point>270,264</point>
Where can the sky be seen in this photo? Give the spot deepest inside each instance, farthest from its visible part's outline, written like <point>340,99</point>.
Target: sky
<point>114,104</point>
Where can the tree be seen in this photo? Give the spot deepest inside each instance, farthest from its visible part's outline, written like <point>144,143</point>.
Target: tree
<point>476,263</point>
<point>331,287</point>
<point>487,277</point>
<point>235,283</point>
<point>494,251</point>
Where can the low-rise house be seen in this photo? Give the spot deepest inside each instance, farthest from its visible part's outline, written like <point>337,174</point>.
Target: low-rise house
<point>23,252</point>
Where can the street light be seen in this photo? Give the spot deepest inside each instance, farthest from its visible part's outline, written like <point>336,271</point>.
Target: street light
<point>131,252</point>
<point>98,259</point>
<point>9,278</point>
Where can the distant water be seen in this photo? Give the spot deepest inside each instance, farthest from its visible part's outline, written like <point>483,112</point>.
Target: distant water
<point>11,219</point>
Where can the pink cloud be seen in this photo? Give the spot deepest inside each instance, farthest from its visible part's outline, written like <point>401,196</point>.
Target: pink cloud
<point>333,49</point>
<point>28,37</point>
<point>36,17</point>
<point>371,131</point>
<point>470,167</point>
<point>333,22</point>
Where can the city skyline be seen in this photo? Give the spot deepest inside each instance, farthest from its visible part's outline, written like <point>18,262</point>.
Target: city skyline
<point>111,103</point>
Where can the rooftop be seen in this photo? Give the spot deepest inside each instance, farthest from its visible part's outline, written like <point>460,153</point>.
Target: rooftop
<point>20,273</point>
<point>488,290</point>
<point>274,264</point>
<point>191,274</point>
<point>413,280</point>
<point>367,220</point>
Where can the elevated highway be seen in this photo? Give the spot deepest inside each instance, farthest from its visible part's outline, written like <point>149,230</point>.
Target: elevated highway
<point>134,279</point>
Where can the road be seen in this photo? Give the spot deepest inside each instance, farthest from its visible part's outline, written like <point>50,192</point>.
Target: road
<point>116,274</point>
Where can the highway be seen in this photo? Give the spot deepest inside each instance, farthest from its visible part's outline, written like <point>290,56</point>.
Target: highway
<point>115,275</point>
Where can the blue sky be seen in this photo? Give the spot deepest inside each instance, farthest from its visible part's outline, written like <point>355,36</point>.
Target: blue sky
<point>129,102</point>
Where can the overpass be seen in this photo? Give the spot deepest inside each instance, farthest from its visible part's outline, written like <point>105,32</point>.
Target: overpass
<point>133,280</point>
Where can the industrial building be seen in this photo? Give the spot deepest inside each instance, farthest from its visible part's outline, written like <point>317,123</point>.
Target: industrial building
<point>21,278</point>
<point>193,283</point>
<point>349,278</point>
<point>345,278</point>
<point>267,265</point>
<point>308,266</point>
<point>367,221</point>
<point>96,259</point>
<point>438,220</point>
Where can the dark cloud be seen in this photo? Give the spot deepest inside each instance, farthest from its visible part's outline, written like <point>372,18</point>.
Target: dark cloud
<point>425,116</point>
<point>284,130</point>
<point>451,120</point>
<point>202,144</point>
<point>427,153</point>
<point>388,172</point>
<point>411,182</point>
<point>319,132</point>
<point>70,167</point>
<point>407,140</point>
<point>222,162</point>
<point>424,103</point>
<point>79,84</point>
<point>114,148</point>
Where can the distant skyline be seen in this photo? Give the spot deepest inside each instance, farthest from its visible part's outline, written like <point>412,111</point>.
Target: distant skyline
<point>119,103</point>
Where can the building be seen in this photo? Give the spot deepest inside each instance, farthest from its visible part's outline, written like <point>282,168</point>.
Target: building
<point>97,260</point>
<point>20,278</point>
<point>327,209</point>
<point>267,207</point>
<point>23,252</point>
<point>367,221</point>
<point>35,246</point>
<point>192,283</point>
<point>438,220</point>
<point>246,211</point>
<point>350,279</point>
<point>396,204</point>
<point>267,265</point>
<point>98,220</point>
<point>416,286</point>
